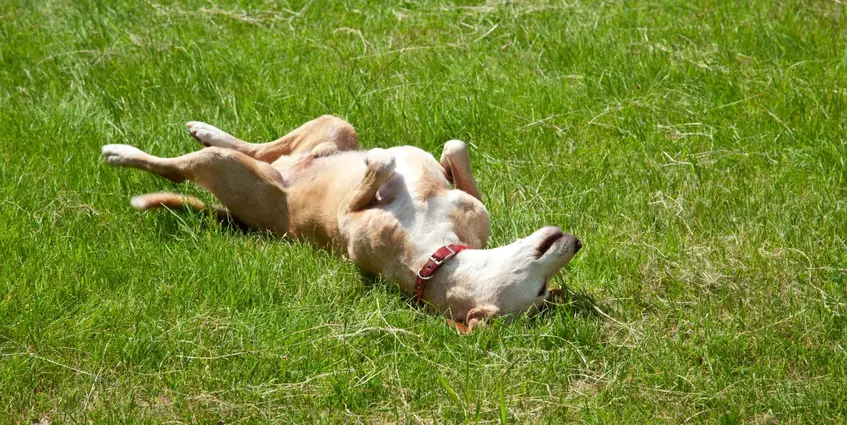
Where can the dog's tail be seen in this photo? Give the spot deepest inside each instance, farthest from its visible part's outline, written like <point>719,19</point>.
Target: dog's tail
<point>170,200</point>
<point>176,201</point>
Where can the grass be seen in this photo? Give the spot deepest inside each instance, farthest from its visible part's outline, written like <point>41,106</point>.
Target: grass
<point>696,147</point>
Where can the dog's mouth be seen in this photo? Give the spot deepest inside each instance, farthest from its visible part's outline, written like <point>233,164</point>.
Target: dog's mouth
<point>547,243</point>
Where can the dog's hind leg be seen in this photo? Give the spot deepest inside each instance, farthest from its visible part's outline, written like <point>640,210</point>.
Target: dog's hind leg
<point>325,129</point>
<point>457,163</point>
<point>209,135</point>
<point>251,190</point>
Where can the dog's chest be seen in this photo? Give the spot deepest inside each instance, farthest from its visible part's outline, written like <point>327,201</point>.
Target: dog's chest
<point>419,197</point>
<point>423,176</point>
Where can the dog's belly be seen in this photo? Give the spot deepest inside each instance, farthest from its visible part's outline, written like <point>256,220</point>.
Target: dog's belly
<point>315,189</point>
<point>414,206</point>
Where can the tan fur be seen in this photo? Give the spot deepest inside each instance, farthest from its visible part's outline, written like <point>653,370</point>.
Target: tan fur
<point>433,179</point>
<point>167,200</point>
<point>325,128</point>
<point>470,222</point>
<point>388,210</point>
<point>457,165</point>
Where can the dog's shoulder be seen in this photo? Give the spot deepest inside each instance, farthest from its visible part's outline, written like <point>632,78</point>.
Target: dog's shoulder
<point>470,219</point>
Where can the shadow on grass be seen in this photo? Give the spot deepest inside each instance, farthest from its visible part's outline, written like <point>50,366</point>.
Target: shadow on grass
<point>371,281</point>
<point>580,303</point>
<point>207,219</point>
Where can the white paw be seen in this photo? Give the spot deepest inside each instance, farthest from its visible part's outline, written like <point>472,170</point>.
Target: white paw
<point>207,135</point>
<point>121,154</point>
<point>140,203</point>
<point>453,147</point>
<point>380,159</point>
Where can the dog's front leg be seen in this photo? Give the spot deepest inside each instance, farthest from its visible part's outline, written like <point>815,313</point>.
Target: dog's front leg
<point>457,163</point>
<point>380,166</point>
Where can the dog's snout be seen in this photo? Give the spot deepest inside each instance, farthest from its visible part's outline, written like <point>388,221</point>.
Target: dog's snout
<point>577,246</point>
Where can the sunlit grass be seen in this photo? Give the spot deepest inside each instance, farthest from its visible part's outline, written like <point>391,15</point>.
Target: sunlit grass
<point>697,148</point>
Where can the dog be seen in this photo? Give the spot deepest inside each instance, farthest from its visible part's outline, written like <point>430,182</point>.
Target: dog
<point>395,212</point>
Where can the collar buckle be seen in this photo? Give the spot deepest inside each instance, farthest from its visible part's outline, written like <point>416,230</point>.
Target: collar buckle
<point>432,266</point>
<point>438,261</point>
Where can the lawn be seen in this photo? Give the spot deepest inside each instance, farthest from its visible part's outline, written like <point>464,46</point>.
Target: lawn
<point>696,147</point>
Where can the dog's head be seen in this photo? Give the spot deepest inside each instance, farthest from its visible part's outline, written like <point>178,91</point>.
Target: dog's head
<point>514,278</point>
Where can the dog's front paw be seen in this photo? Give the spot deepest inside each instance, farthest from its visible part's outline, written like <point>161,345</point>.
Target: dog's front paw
<point>380,160</point>
<point>454,147</point>
<point>121,155</point>
<point>207,134</point>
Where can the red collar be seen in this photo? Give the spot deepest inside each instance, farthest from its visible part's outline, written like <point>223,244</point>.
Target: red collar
<point>435,261</point>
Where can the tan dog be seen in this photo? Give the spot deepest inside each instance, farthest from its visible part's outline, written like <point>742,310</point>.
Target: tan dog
<point>388,209</point>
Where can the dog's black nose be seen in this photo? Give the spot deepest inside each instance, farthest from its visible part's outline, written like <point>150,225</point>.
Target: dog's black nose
<point>578,246</point>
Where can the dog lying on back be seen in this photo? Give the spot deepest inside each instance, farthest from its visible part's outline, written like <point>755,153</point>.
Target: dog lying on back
<point>393,211</point>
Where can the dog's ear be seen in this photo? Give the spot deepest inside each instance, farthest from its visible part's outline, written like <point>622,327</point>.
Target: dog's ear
<point>476,317</point>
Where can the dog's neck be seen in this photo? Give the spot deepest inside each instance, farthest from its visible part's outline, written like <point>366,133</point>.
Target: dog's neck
<point>449,288</point>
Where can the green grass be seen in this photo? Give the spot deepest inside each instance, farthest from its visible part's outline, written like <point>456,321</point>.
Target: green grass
<point>696,147</point>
